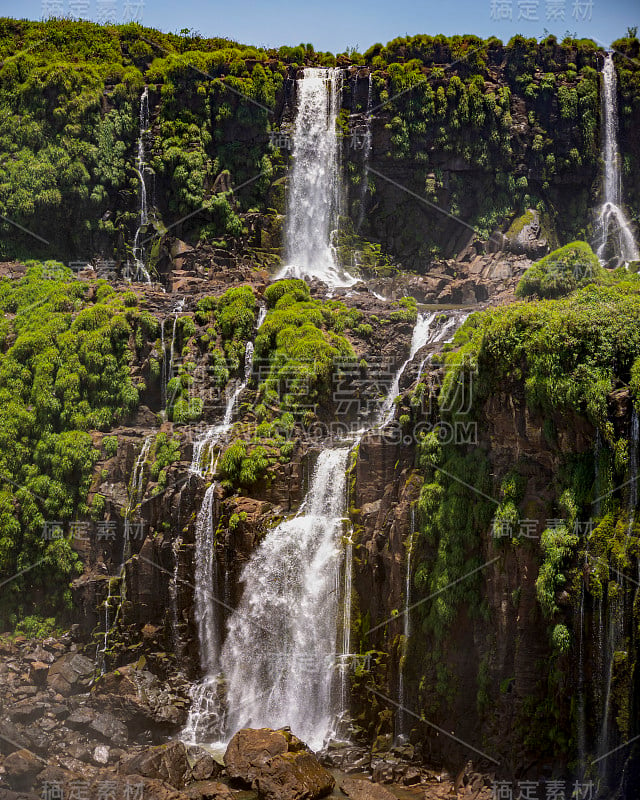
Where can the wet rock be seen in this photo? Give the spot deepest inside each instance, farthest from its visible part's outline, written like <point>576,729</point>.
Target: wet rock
<point>277,764</point>
<point>21,768</point>
<point>167,762</point>
<point>359,789</point>
<point>202,764</point>
<point>294,776</point>
<point>250,750</point>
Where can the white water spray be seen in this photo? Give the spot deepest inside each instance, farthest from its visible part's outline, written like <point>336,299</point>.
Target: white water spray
<point>278,657</point>
<point>314,190</point>
<point>614,235</point>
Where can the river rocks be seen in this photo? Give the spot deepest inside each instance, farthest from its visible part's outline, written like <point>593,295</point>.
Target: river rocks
<point>173,763</point>
<point>249,750</point>
<point>277,764</point>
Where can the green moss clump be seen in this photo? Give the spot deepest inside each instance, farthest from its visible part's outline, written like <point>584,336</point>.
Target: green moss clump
<point>561,272</point>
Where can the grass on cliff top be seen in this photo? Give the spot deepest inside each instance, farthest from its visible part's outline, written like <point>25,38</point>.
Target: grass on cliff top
<point>569,353</point>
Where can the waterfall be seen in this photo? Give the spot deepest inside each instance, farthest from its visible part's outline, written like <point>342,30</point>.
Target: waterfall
<point>262,315</point>
<point>205,721</point>
<point>364,185</point>
<point>175,580</point>
<point>206,587</point>
<point>421,336</point>
<point>614,234</point>
<point>314,181</point>
<point>401,733</point>
<point>215,433</point>
<point>279,651</point>
<point>141,166</point>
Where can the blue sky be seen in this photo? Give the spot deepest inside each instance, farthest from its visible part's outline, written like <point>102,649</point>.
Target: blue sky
<point>337,25</point>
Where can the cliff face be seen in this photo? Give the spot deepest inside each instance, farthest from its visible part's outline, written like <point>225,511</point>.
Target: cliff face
<point>514,629</point>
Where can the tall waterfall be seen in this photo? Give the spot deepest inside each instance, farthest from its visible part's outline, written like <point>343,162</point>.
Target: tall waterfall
<point>279,652</point>
<point>614,236</point>
<point>368,141</point>
<point>141,166</point>
<point>206,586</point>
<point>314,188</point>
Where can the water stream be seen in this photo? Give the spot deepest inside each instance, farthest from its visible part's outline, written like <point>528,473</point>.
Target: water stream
<point>615,240</point>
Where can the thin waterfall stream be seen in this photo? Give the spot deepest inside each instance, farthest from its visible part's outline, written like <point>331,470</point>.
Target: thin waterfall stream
<point>141,273</point>
<point>614,234</point>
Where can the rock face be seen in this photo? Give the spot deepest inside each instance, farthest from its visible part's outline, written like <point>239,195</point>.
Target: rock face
<point>277,764</point>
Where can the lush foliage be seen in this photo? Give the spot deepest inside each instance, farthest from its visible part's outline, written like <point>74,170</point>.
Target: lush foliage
<point>64,370</point>
<point>561,272</point>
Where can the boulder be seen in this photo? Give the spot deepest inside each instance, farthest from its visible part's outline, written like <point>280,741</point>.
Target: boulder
<point>202,764</point>
<point>21,768</point>
<point>250,750</point>
<point>362,789</point>
<point>168,763</point>
<point>70,673</point>
<point>209,790</point>
<point>294,776</point>
<point>277,764</point>
<point>110,728</point>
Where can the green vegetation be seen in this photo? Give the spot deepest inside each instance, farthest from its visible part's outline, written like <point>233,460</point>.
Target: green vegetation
<point>562,272</point>
<point>64,370</point>
<point>302,344</point>
<point>568,353</point>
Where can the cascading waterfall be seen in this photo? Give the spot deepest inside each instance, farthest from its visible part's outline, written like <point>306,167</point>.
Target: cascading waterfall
<point>314,188</point>
<point>206,718</point>
<point>368,141</point>
<point>279,651</point>
<point>205,722</point>
<point>206,586</point>
<point>141,166</point>
<point>421,337</point>
<point>614,235</point>
<point>205,446</point>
